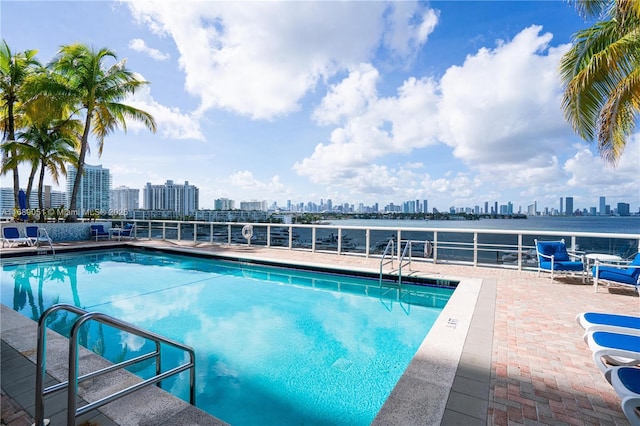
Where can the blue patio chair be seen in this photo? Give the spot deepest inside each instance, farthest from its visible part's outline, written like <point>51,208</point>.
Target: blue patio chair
<point>554,257</point>
<point>619,273</point>
<point>11,236</point>
<point>128,231</point>
<point>98,231</point>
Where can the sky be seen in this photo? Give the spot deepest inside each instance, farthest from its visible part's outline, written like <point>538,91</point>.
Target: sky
<point>455,102</point>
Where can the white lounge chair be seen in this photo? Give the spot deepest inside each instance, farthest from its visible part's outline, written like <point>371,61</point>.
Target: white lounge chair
<point>598,321</point>
<point>626,383</point>
<point>11,236</point>
<point>613,349</point>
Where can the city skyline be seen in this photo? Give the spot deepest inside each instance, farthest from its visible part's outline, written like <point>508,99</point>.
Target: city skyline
<point>454,102</point>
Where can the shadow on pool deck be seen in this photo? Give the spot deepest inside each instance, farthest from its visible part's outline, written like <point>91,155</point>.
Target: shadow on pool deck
<point>523,360</point>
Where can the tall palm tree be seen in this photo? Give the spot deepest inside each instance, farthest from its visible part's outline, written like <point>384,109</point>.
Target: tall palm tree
<point>97,91</point>
<point>15,69</point>
<point>50,147</point>
<point>601,74</point>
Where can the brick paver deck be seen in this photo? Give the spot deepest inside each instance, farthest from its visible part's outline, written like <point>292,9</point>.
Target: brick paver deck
<point>542,371</point>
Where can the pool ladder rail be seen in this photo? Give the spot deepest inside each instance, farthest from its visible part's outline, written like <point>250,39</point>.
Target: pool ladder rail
<point>388,256</point>
<point>72,384</point>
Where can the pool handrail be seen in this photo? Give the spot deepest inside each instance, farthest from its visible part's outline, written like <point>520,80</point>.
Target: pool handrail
<point>74,380</point>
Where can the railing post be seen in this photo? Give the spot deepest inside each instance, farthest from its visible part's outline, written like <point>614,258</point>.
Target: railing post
<point>435,247</point>
<point>268,236</point>
<point>399,252</point>
<point>519,252</point>
<point>367,241</point>
<point>339,240</point>
<point>475,249</point>
<point>290,237</point>
<point>149,224</point>
<point>211,233</point>
<point>179,231</point>
<point>313,239</point>
<point>164,230</point>
<point>195,233</point>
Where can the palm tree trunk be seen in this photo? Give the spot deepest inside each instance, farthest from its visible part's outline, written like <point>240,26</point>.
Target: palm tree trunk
<point>32,176</point>
<point>40,202</point>
<point>73,202</point>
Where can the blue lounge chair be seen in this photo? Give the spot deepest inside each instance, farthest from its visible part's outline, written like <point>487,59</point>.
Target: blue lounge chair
<point>128,231</point>
<point>596,321</point>
<point>11,236</point>
<point>626,383</point>
<point>553,257</point>
<point>98,231</point>
<point>37,235</point>
<point>613,349</point>
<point>621,273</point>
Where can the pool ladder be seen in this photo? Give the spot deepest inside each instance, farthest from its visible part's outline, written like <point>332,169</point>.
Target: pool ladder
<point>405,259</point>
<point>72,384</point>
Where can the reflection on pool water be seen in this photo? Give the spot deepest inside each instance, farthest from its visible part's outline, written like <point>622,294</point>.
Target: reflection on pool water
<point>273,345</point>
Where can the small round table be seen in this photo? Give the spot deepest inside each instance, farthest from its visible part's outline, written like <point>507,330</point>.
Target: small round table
<point>603,257</point>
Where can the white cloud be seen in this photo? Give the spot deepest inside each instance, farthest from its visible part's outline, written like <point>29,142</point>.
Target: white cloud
<point>244,180</point>
<point>261,60</point>
<point>171,122</point>
<point>139,45</point>
<point>502,106</point>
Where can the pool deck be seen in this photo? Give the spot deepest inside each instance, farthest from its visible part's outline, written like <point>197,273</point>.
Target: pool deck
<point>519,355</point>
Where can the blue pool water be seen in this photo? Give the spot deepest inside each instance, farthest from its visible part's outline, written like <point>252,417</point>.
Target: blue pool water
<point>273,345</point>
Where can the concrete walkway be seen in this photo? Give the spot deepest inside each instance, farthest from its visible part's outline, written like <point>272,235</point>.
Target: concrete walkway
<point>540,370</point>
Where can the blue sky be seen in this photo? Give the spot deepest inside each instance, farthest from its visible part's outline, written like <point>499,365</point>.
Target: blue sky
<point>456,102</point>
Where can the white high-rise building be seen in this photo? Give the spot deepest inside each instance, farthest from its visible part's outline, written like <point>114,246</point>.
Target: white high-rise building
<point>224,204</point>
<point>123,200</point>
<point>93,194</point>
<point>182,199</point>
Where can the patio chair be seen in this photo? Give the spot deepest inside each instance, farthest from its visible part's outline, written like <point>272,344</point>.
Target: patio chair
<point>613,349</point>
<point>554,257</point>
<point>620,273</point>
<point>37,235</point>
<point>128,231</point>
<point>11,236</point>
<point>98,231</point>
<point>597,321</point>
<point>626,383</point>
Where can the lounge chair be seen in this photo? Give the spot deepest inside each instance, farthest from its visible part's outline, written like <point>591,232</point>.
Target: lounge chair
<point>11,236</point>
<point>38,235</point>
<point>620,273</point>
<point>626,383</point>
<point>613,349</point>
<point>597,321</point>
<point>98,231</point>
<point>554,257</point>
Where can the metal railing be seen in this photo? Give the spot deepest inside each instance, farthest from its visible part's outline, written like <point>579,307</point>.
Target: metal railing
<point>492,247</point>
<point>73,380</point>
<point>405,260</point>
<point>389,250</point>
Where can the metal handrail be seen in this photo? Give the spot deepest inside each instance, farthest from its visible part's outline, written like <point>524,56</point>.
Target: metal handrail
<point>74,380</point>
<point>403,262</point>
<point>389,249</point>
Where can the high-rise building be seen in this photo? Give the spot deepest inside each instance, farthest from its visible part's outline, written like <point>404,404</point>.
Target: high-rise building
<point>256,205</point>
<point>93,194</point>
<point>603,206</point>
<point>561,206</point>
<point>124,199</point>
<point>569,206</point>
<point>224,204</point>
<point>623,209</point>
<point>182,199</point>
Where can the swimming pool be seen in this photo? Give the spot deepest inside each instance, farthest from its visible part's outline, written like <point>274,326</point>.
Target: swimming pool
<point>273,346</point>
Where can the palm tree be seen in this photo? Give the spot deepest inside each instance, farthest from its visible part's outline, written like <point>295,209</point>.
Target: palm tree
<point>49,147</point>
<point>14,71</point>
<point>97,92</point>
<point>601,75</point>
